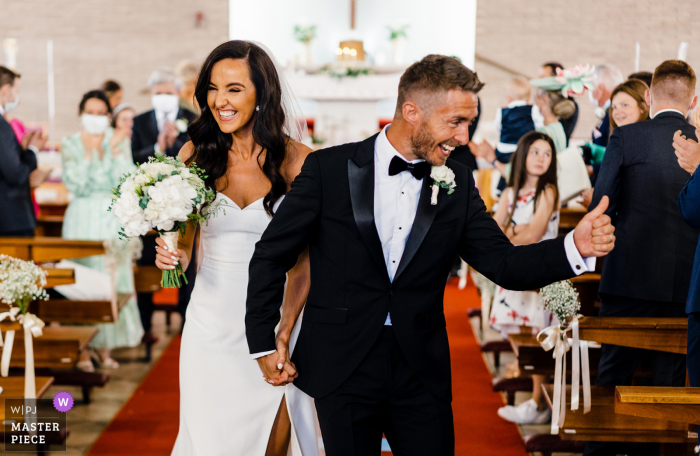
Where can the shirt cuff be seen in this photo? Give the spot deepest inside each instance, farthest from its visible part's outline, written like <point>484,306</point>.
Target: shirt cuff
<point>157,149</point>
<point>33,149</point>
<point>261,354</point>
<point>578,264</point>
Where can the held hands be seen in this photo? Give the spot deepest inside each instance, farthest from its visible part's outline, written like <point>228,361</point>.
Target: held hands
<point>593,235</point>
<point>276,367</point>
<point>166,259</point>
<point>687,151</point>
<point>34,138</point>
<point>117,138</point>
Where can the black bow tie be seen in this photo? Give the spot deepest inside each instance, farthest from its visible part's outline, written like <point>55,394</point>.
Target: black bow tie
<point>419,170</point>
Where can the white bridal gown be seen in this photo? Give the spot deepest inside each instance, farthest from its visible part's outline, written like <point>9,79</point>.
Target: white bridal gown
<point>225,406</point>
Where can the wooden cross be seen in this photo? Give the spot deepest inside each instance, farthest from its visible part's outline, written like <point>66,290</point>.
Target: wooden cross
<point>352,14</point>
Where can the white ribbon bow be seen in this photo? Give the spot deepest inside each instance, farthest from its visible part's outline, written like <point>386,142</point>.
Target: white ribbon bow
<point>32,328</point>
<point>557,339</point>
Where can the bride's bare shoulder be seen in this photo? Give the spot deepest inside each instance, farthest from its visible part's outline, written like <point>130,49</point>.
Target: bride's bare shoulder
<point>296,156</point>
<point>186,152</point>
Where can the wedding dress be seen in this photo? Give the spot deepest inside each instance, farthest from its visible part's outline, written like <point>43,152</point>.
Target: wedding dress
<point>226,408</point>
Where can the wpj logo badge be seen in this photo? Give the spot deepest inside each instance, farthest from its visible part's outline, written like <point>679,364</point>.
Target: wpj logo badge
<point>34,424</point>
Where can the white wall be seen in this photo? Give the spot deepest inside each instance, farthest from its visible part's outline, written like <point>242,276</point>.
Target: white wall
<point>436,26</point>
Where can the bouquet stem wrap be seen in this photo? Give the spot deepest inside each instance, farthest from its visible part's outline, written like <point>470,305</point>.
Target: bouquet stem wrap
<point>32,326</point>
<point>171,278</point>
<point>557,339</point>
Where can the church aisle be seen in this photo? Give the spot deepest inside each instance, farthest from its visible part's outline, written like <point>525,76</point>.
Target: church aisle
<point>478,429</point>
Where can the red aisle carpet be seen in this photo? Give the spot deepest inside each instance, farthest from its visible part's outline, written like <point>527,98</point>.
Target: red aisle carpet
<point>147,423</point>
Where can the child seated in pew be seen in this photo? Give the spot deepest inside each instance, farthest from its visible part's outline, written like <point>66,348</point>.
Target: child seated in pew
<point>528,212</point>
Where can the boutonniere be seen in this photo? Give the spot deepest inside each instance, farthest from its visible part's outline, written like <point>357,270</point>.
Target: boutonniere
<point>599,112</point>
<point>181,125</point>
<point>443,177</point>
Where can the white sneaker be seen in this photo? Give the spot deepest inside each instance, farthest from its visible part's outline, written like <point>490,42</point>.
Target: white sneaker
<point>525,413</point>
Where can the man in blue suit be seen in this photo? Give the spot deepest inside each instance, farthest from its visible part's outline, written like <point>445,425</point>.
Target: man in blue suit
<point>688,153</point>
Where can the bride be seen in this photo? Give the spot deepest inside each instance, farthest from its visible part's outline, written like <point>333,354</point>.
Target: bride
<point>249,149</point>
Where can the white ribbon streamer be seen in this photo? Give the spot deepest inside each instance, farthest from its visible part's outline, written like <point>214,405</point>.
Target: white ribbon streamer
<point>32,328</point>
<point>557,339</point>
<point>433,197</point>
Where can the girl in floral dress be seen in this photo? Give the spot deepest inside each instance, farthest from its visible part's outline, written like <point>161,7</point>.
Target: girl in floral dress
<point>528,212</point>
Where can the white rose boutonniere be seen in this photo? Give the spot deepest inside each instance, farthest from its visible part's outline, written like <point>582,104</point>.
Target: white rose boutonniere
<point>181,125</point>
<point>599,112</point>
<point>443,177</point>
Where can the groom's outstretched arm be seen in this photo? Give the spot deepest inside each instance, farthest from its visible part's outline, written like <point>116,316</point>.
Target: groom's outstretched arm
<point>484,246</point>
<point>277,252</point>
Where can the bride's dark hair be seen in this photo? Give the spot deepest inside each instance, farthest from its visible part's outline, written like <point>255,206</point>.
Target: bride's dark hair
<point>211,145</point>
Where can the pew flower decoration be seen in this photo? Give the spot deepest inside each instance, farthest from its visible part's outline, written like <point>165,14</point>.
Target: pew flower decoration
<point>571,81</point>
<point>21,282</point>
<point>163,195</point>
<point>443,177</point>
<point>562,300</point>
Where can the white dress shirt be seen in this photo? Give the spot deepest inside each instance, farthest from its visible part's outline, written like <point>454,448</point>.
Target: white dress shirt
<point>395,205</point>
<point>667,110</point>
<point>161,117</point>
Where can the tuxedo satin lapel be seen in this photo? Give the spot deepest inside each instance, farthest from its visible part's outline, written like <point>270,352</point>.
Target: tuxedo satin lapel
<point>425,214</point>
<point>361,178</point>
<point>153,125</point>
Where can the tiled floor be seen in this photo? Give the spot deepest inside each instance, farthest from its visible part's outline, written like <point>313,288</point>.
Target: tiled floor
<point>86,421</point>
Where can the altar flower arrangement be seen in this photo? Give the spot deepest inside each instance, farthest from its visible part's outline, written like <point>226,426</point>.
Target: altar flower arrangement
<point>562,300</point>
<point>21,282</point>
<point>163,195</point>
<point>304,33</point>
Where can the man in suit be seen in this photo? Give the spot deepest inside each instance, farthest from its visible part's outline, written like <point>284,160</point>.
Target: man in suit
<point>17,161</point>
<point>648,273</point>
<point>688,154</point>
<point>373,349</point>
<point>164,130</point>
<point>548,70</point>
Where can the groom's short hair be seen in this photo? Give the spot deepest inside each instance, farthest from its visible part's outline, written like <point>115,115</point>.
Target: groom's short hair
<point>432,74</point>
<point>674,80</point>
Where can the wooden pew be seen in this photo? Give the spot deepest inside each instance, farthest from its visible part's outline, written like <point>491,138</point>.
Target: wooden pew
<point>56,353</point>
<point>49,226</point>
<point>663,334</point>
<point>58,276</point>
<point>569,218</point>
<point>46,249</point>
<point>663,403</point>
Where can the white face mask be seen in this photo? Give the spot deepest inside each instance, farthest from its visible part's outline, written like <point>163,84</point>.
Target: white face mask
<point>11,105</point>
<point>593,101</point>
<point>165,102</point>
<point>95,125</point>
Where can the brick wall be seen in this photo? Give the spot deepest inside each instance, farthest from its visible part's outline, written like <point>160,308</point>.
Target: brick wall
<point>100,39</point>
<point>523,34</point>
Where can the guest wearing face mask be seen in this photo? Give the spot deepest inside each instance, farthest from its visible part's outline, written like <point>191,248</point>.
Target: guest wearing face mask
<point>94,159</point>
<point>164,128</point>
<point>17,161</point>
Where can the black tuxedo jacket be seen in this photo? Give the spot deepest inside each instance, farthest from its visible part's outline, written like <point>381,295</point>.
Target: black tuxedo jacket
<point>330,207</point>
<point>144,135</point>
<point>653,255</point>
<point>15,166</point>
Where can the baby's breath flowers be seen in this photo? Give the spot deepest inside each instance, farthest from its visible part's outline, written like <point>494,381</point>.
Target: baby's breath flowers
<point>561,299</point>
<point>21,282</point>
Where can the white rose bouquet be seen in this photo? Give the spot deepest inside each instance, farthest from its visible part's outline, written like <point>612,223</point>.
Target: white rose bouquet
<point>21,282</point>
<point>163,195</point>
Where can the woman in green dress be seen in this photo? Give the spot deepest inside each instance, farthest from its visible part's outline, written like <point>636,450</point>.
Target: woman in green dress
<point>94,159</point>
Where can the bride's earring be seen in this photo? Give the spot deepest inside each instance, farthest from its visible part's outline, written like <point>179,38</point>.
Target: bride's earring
<point>257,108</point>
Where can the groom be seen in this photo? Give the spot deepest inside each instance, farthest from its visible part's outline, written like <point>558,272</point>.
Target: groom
<point>373,347</point>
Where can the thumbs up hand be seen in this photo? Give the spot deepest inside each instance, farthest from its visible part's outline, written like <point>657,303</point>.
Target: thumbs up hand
<point>594,235</point>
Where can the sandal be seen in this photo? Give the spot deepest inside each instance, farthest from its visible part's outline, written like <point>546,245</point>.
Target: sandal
<point>85,366</point>
<point>109,363</point>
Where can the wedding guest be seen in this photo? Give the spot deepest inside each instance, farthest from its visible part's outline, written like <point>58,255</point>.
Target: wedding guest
<point>549,70</point>
<point>644,76</point>
<point>528,212</point>
<point>648,274</point>
<point>114,93</point>
<point>164,130</point>
<point>187,72</point>
<point>123,119</point>
<point>93,161</point>
<point>17,162</point>
<point>605,79</point>
<point>628,106</point>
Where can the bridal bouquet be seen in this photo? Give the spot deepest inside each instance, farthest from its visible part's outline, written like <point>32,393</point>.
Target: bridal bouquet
<point>163,195</point>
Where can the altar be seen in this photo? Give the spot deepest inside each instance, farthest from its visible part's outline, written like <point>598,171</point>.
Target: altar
<point>347,109</point>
